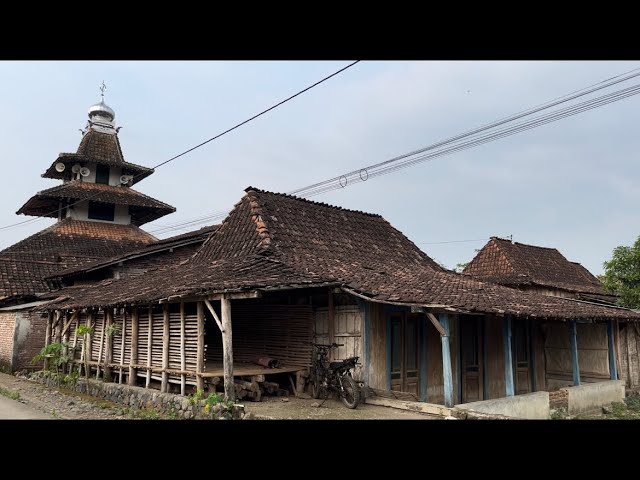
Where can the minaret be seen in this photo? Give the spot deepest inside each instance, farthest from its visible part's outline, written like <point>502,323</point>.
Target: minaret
<point>96,180</point>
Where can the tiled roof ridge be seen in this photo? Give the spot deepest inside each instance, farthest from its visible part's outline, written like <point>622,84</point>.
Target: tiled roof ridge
<point>313,202</point>
<point>524,244</point>
<point>260,219</point>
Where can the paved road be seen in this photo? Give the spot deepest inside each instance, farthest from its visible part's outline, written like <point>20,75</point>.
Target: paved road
<point>12,410</point>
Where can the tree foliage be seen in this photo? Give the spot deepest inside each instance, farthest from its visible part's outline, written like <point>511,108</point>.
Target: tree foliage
<point>622,274</point>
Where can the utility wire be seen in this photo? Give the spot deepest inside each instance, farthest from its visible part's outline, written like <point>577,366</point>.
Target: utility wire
<point>473,138</point>
<point>200,144</point>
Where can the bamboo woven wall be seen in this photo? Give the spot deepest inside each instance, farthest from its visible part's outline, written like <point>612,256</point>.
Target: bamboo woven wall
<point>283,332</point>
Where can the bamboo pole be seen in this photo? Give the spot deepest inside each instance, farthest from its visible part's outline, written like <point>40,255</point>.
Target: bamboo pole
<point>183,354</point>
<point>133,373</point>
<point>100,350</point>
<point>227,350</point>
<point>47,337</point>
<point>108,355</point>
<point>165,347</point>
<point>149,343</point>
<point>122,344</point>
<point>200,349</point>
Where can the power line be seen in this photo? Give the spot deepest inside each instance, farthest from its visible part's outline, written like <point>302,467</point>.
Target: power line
<point>282,102</point>
<point>456,144</point>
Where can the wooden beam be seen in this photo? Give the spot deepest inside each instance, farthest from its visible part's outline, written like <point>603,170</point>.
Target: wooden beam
<point>89,338</point>
<point>165,347</point>
<point>446,360</point>
<point>573,337</point>
<point>59,326</point>
<point>436,324</point>
<point>215,315</point>
<point>108,355</point>
<point>508,358</point>
<point>47,336</point>
<point>227,350</point>
<point>75,338</point>
<point>613,371</point>
<point>147,381</point>
<point>123,339</point>
<point>200,348</point>
<point>100,350</point>
<point>235,296</point>
<point>74,315</point>
<point>183,354</point>
<point>133,372</point>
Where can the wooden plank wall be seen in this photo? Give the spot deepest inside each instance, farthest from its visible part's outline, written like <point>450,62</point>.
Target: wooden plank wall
<point>537,344</point>
<point>435,379</point>
<point>348,328</point>
<point>283,332</point>
<point>629,354</point>
<point>377,347</point>
<point>593,355</point>
<point>495,357</point>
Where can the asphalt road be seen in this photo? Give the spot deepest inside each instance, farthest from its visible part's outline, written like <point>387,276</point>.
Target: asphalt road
<point>13,410</point>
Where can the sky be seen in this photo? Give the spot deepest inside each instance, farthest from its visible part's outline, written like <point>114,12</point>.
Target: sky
<point>573,184</point>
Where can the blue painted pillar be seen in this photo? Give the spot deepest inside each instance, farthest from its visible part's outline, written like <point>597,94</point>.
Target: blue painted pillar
<point>612,356</point>
<point>446,361</point>
<point>508,358</point>
<point>574,352</point>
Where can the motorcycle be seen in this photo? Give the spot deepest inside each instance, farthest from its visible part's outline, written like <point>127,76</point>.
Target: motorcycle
<point>328,376</point>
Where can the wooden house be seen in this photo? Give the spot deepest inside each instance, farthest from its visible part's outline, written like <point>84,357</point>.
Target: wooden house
<point>281,272</point>
<point>546,271</point>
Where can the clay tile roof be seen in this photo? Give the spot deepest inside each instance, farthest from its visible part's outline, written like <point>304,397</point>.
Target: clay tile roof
<point>101,148</point>
<point>273,241</point>
<point>501,261</point>
<point>142,209</point>
<point>24,265</point>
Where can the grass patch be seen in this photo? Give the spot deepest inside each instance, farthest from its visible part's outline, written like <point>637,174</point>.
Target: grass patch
<point>12,394</point>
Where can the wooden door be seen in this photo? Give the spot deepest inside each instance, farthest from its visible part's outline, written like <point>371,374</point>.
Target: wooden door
<point>471,359</point>
<point>405,353</point>
<point>521,346</point>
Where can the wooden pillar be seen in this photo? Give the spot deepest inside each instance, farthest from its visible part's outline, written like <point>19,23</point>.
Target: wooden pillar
<point>89,344</point>
<point>123,341</point>
<point>200,349</point>
<point>331,322</point>
<point>183,353</point>
<point>108,354</point>
<point>149,350</point>
<point>612,356</point>
<point>573,337</point>
<point>47,336</point>
<point>446,361</point>
<point>227,350</point>
<point>165,348</point>
<point>133,371</point>
<point>508,358</point>
<point>59,323</point>
<point>485,360</point>
<point>75,336</point>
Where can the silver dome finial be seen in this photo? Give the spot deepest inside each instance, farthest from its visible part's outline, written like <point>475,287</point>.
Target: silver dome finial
<point>102,115</point>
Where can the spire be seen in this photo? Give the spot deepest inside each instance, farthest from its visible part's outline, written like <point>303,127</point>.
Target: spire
<point>101,115</point>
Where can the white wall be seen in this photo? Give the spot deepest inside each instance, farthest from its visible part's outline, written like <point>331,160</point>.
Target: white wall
<point>80,211</point>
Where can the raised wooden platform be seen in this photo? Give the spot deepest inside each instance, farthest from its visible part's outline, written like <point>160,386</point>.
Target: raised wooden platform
<point>215,369</point>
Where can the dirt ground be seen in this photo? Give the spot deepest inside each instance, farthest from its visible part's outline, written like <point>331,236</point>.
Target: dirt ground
<point>304,409</point>
<point>65,404</point>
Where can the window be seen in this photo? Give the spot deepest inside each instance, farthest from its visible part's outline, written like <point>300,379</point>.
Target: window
<point>102,175</point>
<point>102,211</point>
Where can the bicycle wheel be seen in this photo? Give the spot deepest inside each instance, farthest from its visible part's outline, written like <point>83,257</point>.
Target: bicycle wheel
<point>351,393</point>
<point>315,385</point>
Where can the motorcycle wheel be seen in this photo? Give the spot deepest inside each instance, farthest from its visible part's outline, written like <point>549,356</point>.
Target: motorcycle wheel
<point>351,394</point>
<point>315,386</point>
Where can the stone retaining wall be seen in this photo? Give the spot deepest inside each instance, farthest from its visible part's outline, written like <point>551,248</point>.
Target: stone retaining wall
<point>140,398</point>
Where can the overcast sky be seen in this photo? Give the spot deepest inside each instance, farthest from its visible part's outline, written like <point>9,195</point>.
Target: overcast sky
<point>572,184</point>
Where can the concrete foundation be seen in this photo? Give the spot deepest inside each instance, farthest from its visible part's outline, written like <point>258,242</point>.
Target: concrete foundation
<point>533,406</point>
<point>592,396</point>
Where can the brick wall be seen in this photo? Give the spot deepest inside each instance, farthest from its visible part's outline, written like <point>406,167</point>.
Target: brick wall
<point>559,399</point>
<point>7,324</point>
<point>31,331</point>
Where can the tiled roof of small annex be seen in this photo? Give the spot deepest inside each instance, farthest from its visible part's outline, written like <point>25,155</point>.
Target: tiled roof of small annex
<point>143,208</point>
<point>272,241</point>
<point>194,236</point>
<point>24,265</point>
<point>506,263</point>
